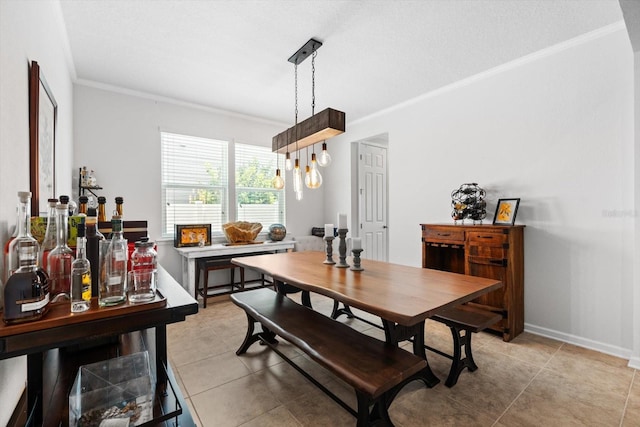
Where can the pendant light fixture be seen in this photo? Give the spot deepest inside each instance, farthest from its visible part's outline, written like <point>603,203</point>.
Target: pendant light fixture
<point>278,181</point>
<point>313,178</point>
<point>318,127</point>
<point>324,159</point>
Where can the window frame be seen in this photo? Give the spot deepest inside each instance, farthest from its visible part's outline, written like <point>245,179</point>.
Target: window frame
<point>229,193</point>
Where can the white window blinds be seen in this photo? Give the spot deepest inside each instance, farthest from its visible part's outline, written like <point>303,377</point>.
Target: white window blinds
<point>194,181</point>
<point>256,199</point>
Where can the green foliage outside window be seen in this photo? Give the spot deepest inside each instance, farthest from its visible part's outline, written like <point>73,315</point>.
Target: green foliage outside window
<point>255,175</point>
<point>252,175</point>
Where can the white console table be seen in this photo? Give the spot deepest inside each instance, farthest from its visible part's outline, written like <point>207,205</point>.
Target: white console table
<point>190,254</point>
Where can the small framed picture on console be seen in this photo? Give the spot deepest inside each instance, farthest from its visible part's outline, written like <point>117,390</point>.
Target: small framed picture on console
<point>506,212</point>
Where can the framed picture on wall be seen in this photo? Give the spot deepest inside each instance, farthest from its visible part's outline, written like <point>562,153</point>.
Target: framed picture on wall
<point>506,212</point>
<point>43,111</point>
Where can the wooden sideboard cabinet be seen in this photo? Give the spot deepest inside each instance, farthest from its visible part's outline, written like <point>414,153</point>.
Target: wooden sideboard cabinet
<point>492,251</point>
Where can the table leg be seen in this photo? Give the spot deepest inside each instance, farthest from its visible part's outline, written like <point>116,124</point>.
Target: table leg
<point>189,274</point>
<point>394,334</point>
<point>285,288</point>
<point>34,387</point>
<point>161,351</point>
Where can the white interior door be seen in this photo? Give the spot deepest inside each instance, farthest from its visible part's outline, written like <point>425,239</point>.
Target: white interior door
<point>372,188</point>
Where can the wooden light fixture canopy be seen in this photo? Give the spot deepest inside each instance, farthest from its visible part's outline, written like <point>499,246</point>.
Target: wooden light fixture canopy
<point>319,127</point>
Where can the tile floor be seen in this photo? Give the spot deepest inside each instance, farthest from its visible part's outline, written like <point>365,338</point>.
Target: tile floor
<point>531,381</point>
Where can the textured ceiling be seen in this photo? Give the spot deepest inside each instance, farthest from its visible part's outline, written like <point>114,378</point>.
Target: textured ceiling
<point>232,55</point>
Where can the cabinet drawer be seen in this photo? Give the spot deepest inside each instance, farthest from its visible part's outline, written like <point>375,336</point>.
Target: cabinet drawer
<point>486,251</point>
<point>443,235</point>
<point>488,239</point>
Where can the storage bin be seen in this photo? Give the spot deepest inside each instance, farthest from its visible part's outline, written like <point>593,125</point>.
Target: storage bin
<point>121,388</point>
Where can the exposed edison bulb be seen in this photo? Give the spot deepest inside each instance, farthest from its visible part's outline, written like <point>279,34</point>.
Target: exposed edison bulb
<point>278,182</point>
<point>297,178</point>
<point>288,165</point>
<point>313,178</point>
<point>307,176</point>
<point>325,159</point>
<point>299,195</point>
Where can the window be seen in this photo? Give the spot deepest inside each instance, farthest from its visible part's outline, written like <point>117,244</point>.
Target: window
<point>256,199</point>
<point>197,185</point>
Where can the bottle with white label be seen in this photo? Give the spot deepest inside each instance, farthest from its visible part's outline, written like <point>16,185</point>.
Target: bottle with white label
<point>80,275</point>
<point>113,288</point>
<point>26,292</point>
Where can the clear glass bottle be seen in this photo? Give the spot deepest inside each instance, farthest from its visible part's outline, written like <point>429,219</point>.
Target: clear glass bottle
<point>80,275</point>
<point>94,237</point>
<point>24,245</point>
<point>113,289</point>
<point>49,241</point>
<point>60,258</point>
<point>6,264</point>
<point>144,264</point>
<point>26,291</point>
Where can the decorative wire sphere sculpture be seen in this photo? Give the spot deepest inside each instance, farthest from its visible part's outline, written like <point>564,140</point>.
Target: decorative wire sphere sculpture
<point>468,202</point>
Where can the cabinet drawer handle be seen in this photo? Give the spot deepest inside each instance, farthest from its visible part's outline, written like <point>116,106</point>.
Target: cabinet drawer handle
<point>444,234</point>
<point>502,262</point>
<point>486,237</point>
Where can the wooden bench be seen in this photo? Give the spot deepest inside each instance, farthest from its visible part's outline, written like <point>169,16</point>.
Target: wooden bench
<point>463,319</point>
<point>376,370</point>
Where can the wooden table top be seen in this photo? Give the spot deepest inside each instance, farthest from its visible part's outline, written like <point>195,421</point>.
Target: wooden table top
<point>402,294</point>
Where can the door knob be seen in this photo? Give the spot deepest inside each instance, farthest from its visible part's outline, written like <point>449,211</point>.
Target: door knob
<point>384,226</point>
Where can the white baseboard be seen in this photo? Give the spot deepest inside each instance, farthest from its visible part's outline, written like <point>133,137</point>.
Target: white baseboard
<point>623,353</point>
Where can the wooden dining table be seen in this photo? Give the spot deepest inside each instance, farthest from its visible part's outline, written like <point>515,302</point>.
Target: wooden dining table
<point>402,296</point>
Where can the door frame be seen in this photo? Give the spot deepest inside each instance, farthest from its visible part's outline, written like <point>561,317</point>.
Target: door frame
<point>382,141</point>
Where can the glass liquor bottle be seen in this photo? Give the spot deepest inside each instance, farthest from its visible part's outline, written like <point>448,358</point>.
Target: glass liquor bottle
<point>82,207</point>
<point>6,264</point>
<point>119,202</point>
<point>94,237</point>
<point>49,241</point>
<point>24,243</point>
<point>80,275</point>
<point>60,258</point>
<point>26,292</point>
<point>113,289</point>
<point>102,211</point>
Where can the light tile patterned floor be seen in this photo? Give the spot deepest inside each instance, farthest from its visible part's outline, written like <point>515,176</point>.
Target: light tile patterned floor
<point>531,381</point>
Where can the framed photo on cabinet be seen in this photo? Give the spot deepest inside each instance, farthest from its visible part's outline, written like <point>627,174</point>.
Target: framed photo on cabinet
<point>506,212</point>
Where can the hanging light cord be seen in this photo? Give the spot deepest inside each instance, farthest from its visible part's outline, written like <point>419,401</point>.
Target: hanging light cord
<point>313,89</point>
<point>296,110</point>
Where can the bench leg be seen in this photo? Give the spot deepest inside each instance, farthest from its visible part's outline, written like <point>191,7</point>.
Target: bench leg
<point>252,337</point>
<point>459,363</point>
<point>378,416</point>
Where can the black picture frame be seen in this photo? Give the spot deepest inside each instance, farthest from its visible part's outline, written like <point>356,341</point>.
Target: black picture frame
<point>43,119</point>
<point>506,211</point>
<point>188,235</point>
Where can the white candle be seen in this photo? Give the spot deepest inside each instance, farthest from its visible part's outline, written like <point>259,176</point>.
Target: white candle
<point>356,243</point>
<point>342,220</point>
<point>328,230</point>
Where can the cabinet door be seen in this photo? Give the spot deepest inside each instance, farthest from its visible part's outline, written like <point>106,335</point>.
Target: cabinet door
<point>487,256</point>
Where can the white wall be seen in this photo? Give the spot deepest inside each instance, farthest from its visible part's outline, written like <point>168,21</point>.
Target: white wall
<point>28,31</point>
<point>118,135</point>
<point>556,130</point>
